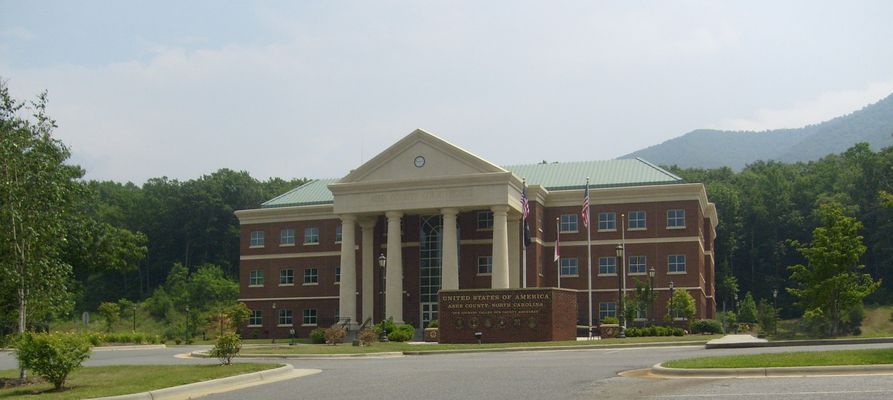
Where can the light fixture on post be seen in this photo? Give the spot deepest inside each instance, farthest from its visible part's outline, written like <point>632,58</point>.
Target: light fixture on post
<point>672,287</point>
<point>619,250</point>
<point>775,310</point>
<point>382,262</point>
<point>277,321</point>
<point>651,273</point>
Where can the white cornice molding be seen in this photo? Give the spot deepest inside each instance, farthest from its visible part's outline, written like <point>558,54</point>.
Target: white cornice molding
<point>285,214</point>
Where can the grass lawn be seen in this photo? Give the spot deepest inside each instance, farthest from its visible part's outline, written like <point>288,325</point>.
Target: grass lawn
<point>794,359</point>
<point>347,348</point>
<point>89,382</point>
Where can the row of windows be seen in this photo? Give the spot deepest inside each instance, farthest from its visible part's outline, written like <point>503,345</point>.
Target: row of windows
<point>286,317</point>
<point>287,276</point>
<point>287,236</point>
<point>608,265</point>
<point>607,221</point>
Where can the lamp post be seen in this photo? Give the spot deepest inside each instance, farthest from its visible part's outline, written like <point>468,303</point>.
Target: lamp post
<point>382,262</point>
<point>187,320</point>
<point>619,250</point>
<point>651,273</point>
<point>275,318</point>
<point>775,310</point>
<point>672,287</point>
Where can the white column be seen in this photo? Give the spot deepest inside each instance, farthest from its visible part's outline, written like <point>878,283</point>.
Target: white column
<point>347,293</point>
<point>500,276</point>
<point>369,265</point>
<point>514,246</point>
<point>394,273</point>
<point>450,261</point>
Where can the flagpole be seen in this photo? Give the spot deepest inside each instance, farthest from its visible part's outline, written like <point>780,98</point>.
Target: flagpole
<point>557,252</point>
<point>588,257</point>
<point>524,239</point>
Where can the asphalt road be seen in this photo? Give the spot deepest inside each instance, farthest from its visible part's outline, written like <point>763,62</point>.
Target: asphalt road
<point>574,374</point>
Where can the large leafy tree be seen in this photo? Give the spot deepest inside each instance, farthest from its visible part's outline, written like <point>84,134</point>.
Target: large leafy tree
<point>38,195</point>
<point>832,283</point>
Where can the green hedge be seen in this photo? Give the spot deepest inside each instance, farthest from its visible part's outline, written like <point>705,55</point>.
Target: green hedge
<point>318,336</point>
<point>655,331</point>
<point>706,326</point>
<point>98,339</point>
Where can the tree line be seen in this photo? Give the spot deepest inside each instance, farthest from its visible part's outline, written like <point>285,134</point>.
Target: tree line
<point>769,209</point>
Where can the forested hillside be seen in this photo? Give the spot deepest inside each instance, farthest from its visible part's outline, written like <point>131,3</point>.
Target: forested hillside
<point>705,148</point>
<point>768,204</point>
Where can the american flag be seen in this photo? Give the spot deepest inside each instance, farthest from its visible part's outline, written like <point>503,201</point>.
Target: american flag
<point>584,212</point>
<point>525,205</point>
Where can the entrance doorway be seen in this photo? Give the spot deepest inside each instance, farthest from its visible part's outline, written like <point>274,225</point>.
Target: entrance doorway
<point>430,266</point>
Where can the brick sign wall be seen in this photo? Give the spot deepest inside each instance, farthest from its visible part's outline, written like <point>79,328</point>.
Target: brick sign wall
<point>507,315</point>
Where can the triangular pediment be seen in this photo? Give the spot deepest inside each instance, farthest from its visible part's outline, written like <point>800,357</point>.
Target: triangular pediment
<point>420,155</point>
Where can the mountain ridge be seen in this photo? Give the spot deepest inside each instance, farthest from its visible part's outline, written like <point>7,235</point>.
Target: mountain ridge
<point>711,148</point>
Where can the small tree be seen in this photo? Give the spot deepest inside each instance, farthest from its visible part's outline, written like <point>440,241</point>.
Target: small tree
<point>767,316</point>
<point>681,303</point>
<point>747,310</point>
<point>831,283</point>
<point>111,313</point>
<point>52,355</point>
<point>228,346</point>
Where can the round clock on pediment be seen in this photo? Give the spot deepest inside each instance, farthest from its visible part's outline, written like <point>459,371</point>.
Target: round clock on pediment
<point>419,161</point>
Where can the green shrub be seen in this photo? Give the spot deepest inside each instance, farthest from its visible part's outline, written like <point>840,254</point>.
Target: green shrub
<point>433,324</point>
<point>110,313</point>
<point>385,326</point>
<point>318,336</point>
<point>610,320</point>
<point>729,321</point>
<point>402,333</point>
<point>52,356</point>
<point>228,346</point>
<point>706,326</point>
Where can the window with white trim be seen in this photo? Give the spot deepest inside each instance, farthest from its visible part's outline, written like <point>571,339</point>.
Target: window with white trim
<point>311,276</point>
<point>607,221</point>
<point>337,274</point>
<point>607,265</point>
<point>256,277</point>
<point>311,235</point>
<point>485,265</point>
<point>567,223</point>
<point>257,239</point>
<point>338,234</point>
<point>676,218</point>
<point>285,317</point>
<point>286,237</point>
<point>676,263</point>
<point>310,316</point>
<point>637,264</point>
<point>286,276</point>
<point>569,267</point>
<point>256,318</point>
<point>485,219</point>
<point>636,220</point>
<point>607,310</point>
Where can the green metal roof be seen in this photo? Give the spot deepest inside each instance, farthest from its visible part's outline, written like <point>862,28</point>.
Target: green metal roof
<point>554,176</point>
<point>605,173</point>
<point>310,193</point>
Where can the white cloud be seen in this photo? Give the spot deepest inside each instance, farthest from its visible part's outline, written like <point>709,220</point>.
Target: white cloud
<point>826,106</point>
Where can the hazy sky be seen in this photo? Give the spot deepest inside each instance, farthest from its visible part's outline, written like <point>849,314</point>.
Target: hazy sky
<point>311,88</point>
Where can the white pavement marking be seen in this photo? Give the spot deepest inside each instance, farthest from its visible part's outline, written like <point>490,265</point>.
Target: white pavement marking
<point>783,394</point>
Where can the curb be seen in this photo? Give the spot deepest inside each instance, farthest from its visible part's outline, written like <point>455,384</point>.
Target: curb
<point>220,385</point>
<point>204,354</point>
<point>660,370</point>
<point>201,354</point>
<point>793,343</point>
<point>130,347</point>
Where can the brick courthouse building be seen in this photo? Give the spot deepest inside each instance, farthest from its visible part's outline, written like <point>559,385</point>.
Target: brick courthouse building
<point>442,217</point>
